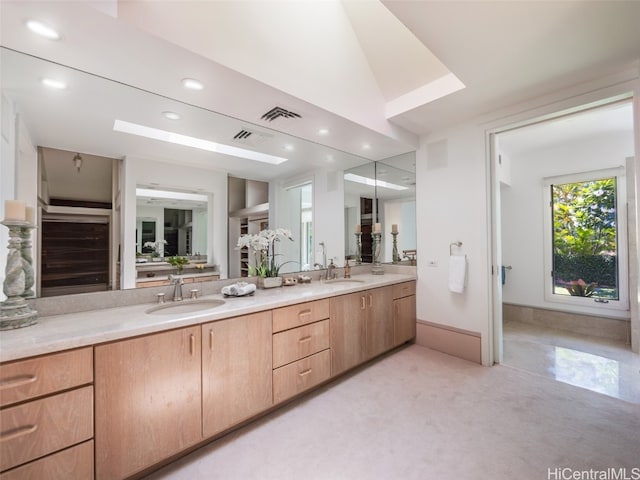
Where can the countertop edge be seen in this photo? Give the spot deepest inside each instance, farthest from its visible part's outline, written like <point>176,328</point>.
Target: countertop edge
<point>57,333</point>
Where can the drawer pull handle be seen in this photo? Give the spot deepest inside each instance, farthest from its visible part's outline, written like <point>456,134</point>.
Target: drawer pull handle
<point>211,339</point>
<point>305,372</point>
<point>304,313</point>
<point>370,301</point>
<point>363,303</point>
<point>192,344</point>
<point>305,339</point>
<point>18,432</point>
<point>17,381</point>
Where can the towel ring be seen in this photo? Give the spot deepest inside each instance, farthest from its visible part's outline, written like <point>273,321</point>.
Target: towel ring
<point>454,244</point>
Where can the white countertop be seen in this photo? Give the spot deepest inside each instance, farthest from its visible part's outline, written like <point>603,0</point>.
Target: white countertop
<point>62,332</point>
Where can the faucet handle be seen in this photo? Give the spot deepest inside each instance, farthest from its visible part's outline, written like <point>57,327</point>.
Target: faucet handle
<point>194,293</point>
<point>160,297</point>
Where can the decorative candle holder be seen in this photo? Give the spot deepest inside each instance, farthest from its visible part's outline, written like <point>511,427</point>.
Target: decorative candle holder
<point>395,258</point>
<point>358,250</point>
<point>377,268</point>
<point>27,260</point>
<point>14,311</point>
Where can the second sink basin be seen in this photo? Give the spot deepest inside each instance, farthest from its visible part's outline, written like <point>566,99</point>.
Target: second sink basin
<point>186,306</point>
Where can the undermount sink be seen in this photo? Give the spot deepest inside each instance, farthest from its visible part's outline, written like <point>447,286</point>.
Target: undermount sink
<point>186,306</point>
<point>344,280</point>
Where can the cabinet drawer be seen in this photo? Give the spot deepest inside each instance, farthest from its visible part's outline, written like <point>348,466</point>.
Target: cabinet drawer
<point>300,342</point>
<point>404,289</point>
<point>301,375</point>
<point>43,426</point>
<point>75,463</point>
<point>35,377</point>
<point>301,314</point>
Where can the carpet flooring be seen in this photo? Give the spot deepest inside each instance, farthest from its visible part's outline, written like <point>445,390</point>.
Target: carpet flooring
<point>421,414</point>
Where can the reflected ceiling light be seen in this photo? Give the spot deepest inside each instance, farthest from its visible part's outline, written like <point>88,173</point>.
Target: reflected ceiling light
<point>148,193</point>
<point>77,162</point>
<point>323,131</point>
<point>289,148</point>
<point>192,84</point>
<point>171,115</point>
<point>330,158</point>
<point>366,146</point>
<point>43,30</point>
<point>194,142</point>
<point>372,182</point>
<point>51,83</point>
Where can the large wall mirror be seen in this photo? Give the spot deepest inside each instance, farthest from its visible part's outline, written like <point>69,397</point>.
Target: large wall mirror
<point>382,192</point>
<point>101,130</point>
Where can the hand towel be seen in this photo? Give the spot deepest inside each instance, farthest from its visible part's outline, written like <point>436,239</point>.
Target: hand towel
<point>246,289</point>
<point>457,273</point>
<point>239,289</point>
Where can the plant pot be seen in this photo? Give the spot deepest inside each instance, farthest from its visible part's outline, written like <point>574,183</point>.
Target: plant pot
<point>269,282</point>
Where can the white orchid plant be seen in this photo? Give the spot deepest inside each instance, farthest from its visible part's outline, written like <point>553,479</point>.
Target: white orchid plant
<point>262,245</point>
<point>155,246</point>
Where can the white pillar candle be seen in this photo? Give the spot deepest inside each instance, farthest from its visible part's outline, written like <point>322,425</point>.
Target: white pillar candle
<point>358,228</point>
<point>30,215</point>
<point>394,228</point>
<point>377,228</point>
<point>14,210</point>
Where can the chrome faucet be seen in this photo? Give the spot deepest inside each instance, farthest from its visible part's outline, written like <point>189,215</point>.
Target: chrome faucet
<point>330,268</point>
<point>178,282</point>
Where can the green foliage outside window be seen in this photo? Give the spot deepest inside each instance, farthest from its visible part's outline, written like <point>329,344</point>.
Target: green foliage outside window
<point>585,238</point>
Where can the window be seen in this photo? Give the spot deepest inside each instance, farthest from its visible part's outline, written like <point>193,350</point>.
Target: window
<point>586,240</point>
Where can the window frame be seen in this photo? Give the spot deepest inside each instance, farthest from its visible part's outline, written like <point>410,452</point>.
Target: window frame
<point>622,240</point>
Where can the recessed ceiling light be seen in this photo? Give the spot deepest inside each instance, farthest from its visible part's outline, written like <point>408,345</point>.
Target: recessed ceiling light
<point>194,142</point>
<point>330,158</point>
<point>43,30</point>
<point>366,146</point>
<point>288,147</point>
<point>171,115</point>
<point>192,84</point>
<point>51,83</point>
<point>323,131</point>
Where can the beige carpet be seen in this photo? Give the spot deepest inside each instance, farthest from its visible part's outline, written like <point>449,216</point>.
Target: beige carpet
<point>420,414</point>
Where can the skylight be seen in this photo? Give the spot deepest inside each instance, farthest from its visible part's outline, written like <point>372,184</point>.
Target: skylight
<point>373,183</point>
<point>194,142</point>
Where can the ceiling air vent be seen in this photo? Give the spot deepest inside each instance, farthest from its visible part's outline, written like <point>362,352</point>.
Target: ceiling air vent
<point>279,112</point>
<point>251,137</point>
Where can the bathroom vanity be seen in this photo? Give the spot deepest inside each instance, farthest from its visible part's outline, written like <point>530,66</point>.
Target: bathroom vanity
<point>117,392</point>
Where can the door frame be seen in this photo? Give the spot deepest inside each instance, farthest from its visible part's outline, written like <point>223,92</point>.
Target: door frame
<point>624,91</point>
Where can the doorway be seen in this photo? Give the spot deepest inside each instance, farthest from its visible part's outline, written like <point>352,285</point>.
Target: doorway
<point>528,307</point>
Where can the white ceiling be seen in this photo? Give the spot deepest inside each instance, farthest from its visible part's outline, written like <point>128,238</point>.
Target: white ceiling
<point>338,64</point>
<point>578,127</point>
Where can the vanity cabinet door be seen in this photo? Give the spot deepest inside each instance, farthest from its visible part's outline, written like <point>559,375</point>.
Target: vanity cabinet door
<point>147,400</point>
<point>404,319</point>
<point>236,370</point>
<point>379,321</point>
<point>347,330</point>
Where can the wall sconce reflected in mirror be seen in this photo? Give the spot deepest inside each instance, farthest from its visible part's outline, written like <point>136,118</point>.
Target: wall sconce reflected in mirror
<point>77,161</point>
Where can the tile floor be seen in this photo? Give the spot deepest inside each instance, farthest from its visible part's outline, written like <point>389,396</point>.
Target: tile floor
<point>596,364</point>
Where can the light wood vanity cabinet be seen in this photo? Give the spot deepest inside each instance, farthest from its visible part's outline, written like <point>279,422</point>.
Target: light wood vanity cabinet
<point>236,370</point>
<point>46,416</point>
<point>361,327</point>
<point>148,400</point>
<point>301,356</point>
<point>404,312</point>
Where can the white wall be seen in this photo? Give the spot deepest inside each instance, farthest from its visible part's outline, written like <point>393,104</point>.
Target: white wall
<point>451,195</point>
<point>523,211</point>
<point>453,198</point>
<point>139,170</point>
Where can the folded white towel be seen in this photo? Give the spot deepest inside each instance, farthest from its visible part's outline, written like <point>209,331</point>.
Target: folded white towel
<point>239,289</point>
<point>457,273</point>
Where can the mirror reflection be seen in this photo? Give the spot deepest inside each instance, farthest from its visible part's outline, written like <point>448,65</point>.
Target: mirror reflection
<point>67,157</point>
<point>381,193</point>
